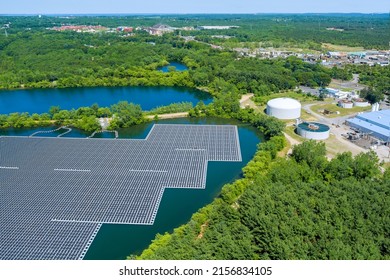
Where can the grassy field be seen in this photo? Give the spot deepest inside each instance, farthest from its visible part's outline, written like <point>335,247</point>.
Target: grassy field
<point>290,131</point>
<point>291,94</point>
<point>338,86</point>
<point>307,117</point>
<point>334,108</point>
<point>334,147</point>
<point>341,48</point>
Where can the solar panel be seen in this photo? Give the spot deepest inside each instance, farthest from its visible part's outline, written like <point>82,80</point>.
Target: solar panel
<point>55,193</point>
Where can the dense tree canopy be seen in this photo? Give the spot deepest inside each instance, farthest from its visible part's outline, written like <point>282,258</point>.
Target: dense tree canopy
<point>303,207</point>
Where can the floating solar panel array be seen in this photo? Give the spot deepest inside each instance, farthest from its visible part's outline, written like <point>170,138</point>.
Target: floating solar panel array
<point>55,193</point>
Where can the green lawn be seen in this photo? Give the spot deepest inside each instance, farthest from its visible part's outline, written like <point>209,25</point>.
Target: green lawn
<point>338,86</point>
<point>341,48</point>
<point>262,100</point>
<point>290,131</point>
<point>307,117</point>
<point>334,108</point>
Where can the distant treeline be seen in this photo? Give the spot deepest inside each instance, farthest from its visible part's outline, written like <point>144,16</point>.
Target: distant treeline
<point>367,30</point>
<point>44,59</point>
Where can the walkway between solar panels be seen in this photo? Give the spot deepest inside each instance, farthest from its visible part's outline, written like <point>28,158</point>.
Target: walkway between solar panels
<point>103,131</point>
<point>68,129</point>
<point>56,192</point>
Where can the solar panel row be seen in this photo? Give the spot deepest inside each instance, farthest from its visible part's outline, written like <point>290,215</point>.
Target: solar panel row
<point>56,192</point>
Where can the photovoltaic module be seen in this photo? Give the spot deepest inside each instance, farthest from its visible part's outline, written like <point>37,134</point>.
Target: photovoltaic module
<point>55,193</point>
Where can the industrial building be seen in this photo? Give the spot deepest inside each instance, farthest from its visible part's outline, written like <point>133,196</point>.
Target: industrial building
<point>336,93</point>
<point>376,124</point>
<point>216,27</point>
<point>284,108</point>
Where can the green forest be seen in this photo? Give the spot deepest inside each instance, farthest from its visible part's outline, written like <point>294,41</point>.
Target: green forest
<point>41,60</point>
<point>302,207</point>
<point>33,56</point>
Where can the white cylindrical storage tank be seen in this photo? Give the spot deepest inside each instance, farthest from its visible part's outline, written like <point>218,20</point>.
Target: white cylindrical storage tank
<point>284,108</point>
<point>345,104</point>
<point>316,131</point>
<point>361,103</point>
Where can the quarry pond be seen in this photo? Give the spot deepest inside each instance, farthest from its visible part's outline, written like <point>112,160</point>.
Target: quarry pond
<point>40,100</point>
<point>116,241</point>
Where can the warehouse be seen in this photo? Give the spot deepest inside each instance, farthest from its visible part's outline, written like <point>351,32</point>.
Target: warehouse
<point>377,124</point>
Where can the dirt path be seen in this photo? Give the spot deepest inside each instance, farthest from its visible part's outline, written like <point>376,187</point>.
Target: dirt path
<point>169,116</point>
<point>246,97</point>
<point>246,101</point>
<point>292,141</point>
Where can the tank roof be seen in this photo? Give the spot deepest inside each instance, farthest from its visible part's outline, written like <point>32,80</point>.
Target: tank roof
<point>284,103</point>
<point>314,127</point>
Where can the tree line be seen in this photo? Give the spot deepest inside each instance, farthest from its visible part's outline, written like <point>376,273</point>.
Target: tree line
<point>122,114</point>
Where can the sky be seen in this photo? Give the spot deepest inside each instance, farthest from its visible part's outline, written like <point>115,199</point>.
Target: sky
<point>191,6</point>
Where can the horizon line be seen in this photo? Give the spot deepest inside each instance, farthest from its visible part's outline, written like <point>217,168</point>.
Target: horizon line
<point>133,14</point>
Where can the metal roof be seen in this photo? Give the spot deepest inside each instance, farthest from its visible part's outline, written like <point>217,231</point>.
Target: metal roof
<point>377,123</point>
<point>378,118</point>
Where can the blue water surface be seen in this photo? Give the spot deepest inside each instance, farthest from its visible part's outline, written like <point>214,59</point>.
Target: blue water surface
<point>40,100</point>
<point>178,67</point>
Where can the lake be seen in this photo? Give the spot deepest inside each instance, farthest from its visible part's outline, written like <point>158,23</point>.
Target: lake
<point>40,100</point>
<point>115,242</point>
<point>178,67</point>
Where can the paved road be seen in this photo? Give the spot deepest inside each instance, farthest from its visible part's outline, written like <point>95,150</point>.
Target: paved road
<point>323,119</point>
<point>310,90</point>
<point>353,84</point>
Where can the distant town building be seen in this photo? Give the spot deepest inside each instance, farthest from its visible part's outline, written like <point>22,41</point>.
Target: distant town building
<point>335,29</point>
<point>124,29</point>
<point>217,27</point>
<point>81,28</point>
<point>159,29</point>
